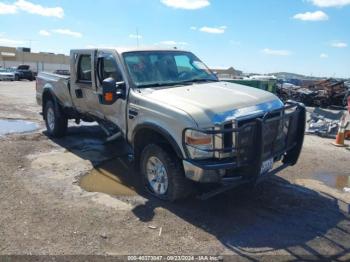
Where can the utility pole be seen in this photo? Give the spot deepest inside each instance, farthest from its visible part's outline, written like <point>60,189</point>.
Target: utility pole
<point>30,41</point>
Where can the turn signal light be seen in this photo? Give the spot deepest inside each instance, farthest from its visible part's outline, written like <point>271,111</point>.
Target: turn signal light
<point>198,140</point>
<point>108,97</point>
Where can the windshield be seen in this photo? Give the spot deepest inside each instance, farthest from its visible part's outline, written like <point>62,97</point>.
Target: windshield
<point>161,68</point>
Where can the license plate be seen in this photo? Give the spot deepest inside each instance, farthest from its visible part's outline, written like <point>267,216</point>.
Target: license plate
<point>266,166</point>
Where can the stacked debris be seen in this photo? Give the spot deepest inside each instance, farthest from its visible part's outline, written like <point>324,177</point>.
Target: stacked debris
<point>325,93</point>
<point>323,122</point>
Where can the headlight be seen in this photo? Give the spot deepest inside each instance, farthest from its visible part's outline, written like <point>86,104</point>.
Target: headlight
<point>199,145</point>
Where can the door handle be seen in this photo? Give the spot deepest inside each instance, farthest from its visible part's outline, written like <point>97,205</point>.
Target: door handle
<point>132,114</point>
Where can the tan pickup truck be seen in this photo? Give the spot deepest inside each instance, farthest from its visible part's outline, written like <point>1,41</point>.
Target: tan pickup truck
<point>181,123</point>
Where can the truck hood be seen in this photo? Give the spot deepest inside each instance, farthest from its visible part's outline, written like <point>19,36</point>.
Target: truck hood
<point>213,103</point>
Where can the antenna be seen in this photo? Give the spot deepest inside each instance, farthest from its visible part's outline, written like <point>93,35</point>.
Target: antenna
<point>30,41</point>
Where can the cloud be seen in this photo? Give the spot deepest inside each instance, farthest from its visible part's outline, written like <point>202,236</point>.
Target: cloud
<point>44,33</point>
<point>339,44</point>
<point>275,52</point>
<point>39,10</point>
<point>31,8</point>
<point>173,43</point>
<point>10,42</point>
<point>312,16</point>
<point>323,55</point>
<point>330,3</point>
<point>193,28</point>
<point>135,36</point>
<point>7,9</point>
<point>213,30</point>
<point>186,4</point>
<point>67,32</point>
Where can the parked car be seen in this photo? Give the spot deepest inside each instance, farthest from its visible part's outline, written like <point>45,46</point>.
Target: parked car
<point>6,75</point>
<point>24,72</point>
<point>181,124</point>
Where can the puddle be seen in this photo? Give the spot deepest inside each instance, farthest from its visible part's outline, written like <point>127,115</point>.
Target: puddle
<point>112,177</point>
<point>16,126</point>
<point>335,181</point>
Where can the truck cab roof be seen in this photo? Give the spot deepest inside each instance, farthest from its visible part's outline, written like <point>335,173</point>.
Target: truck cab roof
<point>121,50</point>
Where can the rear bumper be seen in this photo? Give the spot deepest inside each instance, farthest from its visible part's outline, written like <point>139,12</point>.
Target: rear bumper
<point>284,150</point>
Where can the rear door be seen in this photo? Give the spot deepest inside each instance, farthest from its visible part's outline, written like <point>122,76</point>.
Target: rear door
<point>82,81</point>
<point>109,66</point>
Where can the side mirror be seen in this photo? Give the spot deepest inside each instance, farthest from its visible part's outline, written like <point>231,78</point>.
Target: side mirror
<point>111,91</point>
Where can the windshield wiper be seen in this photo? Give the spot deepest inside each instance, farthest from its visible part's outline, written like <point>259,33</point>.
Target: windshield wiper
<point>157,84</point>
<point>197,80</point>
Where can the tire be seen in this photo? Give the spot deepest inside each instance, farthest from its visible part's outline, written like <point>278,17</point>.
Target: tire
<point>178,186</point>
<point>56,122</point>
<point>17,78</point>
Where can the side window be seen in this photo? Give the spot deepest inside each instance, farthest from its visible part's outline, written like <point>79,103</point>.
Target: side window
<point>109,68</point>
<point>84,68</point>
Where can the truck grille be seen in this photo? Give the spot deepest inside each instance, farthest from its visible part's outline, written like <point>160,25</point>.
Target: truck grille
<point>278,134</point>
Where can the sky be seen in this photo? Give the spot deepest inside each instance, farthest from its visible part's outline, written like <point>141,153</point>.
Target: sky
<point>310,37</point>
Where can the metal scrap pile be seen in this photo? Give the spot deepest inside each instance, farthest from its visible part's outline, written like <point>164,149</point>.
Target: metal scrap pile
<point>325,93</point>
<point>323,122</point>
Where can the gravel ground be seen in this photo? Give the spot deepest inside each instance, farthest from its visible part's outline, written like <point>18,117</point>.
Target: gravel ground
<point>301,213</point>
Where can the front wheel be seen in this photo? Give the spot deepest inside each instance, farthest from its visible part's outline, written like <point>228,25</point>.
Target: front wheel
<point>56,122</point>
<point>163,174</point>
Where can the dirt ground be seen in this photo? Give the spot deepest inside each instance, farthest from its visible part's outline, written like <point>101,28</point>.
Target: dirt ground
<point>303,212</point>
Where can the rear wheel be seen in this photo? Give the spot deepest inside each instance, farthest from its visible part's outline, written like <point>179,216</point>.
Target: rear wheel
<point>163,174</point>
<point>55,120</point>
<point>17,78</point>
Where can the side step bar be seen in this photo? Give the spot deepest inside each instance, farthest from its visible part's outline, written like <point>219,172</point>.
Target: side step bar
<point>111,131</point>
<point>114,137</point>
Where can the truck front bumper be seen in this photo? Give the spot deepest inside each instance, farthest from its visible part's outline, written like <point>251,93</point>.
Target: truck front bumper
<point>205,173</point>
<point>216,173</point>
<point>279,138</point>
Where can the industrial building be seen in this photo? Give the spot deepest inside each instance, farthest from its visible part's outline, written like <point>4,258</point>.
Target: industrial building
<point>13,57</point>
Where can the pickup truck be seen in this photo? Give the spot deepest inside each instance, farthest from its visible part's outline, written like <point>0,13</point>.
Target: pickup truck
<point>24,72</point>
<point>181,123</point>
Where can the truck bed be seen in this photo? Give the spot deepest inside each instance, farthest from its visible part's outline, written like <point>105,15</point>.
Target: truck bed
<point>57,84</point>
